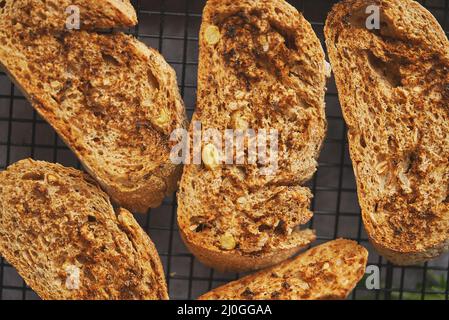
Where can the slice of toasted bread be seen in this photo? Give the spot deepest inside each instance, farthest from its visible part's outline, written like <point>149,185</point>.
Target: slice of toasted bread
<point>59,230</point>
<point>328,271</point>
<point>393,85</point>
<point>261,66</point>
<point>52,15</point>
<point>112,100</point>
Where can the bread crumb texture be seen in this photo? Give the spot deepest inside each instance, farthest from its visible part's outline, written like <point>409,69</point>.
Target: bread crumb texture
<point>393,84</point>
<point>110,98</point>
<point>53,219</point>
<point>260,67</point>
<point>52,15</point>
<point>329,271</point>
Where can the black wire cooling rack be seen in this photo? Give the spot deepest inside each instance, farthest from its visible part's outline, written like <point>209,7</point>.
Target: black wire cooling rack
<point>172,26</point>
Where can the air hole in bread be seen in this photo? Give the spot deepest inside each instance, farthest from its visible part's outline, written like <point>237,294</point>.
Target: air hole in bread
<point>388,71</point>
<point>362,141</point>
<point>264,227</point>
<point>36,176</point>
<point>2,4</point>
<point>110,59</point>
<point>392,143</point>
<point>290,42</point>
<point>257,12</point>
<point>152,80</point>
<point>281,228</point>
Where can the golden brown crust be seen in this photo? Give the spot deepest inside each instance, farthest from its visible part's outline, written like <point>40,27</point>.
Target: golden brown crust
<point>55,220</point>
<point>393,86</point>
<point>328,271</point>
<point>110,98</point>
<point>223,261</point>
<point>260,67</point>
<point>52,15</point>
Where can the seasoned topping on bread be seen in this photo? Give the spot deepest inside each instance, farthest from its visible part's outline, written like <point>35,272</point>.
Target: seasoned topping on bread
<point>110,98</point>
<point>264,72</point>
<point>392,85</point>
<point>329,271</point>
<point>60,231</point>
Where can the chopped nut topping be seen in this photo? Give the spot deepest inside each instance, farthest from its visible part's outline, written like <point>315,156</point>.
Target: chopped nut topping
<point>239,95</point>
<point>51,178</point>
<point>211,156</point>
<point>233,106</point>
<point>239,122</point>
<point>162,120</point>
<point>20,207</point>
<point>266,47</point>
<point>212,34</point>
<point>241,200</point>
<point>227,241</point>
<point>55,85</point>
<point>382,167</point>
<point>147,102</point>
<point>264,42</point>
<point>417,89</point>
<point>305,286</point>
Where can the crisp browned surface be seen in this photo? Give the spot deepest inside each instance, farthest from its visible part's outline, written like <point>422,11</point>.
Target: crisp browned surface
<point>393,85</point>
<point>52,217</point>
<point>329,271</point>
<point>105,96</point>
<point>51,14</point>
<point>266,71</point>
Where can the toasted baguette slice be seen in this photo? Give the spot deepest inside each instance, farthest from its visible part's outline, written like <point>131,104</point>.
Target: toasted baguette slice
<point>393,85</point>
<point>56,222</point>
<point>261,66</point>
<point>52,15</point>
<point>110,98</point>
<point>328,271</point>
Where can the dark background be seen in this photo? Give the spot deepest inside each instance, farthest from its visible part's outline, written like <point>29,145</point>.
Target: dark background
<point>171,26</point>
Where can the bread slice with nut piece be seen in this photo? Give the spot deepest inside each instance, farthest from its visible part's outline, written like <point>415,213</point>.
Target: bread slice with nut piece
<point>328,271</point>
<point>261,66</point>
<point>113,100</point>
<point>393,85</point>
<point>60,231</point>
<point>55,15</point>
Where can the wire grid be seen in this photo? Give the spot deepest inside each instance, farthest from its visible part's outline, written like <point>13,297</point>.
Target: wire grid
<point>172,26</point>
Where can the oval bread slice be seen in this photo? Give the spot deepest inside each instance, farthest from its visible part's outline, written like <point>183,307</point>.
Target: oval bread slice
<point>261,66</point>
<point>111,99</point>
<point>60,231</point>
<point>328,271</point>
<point>393,85</point>
<point>56,15</point>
